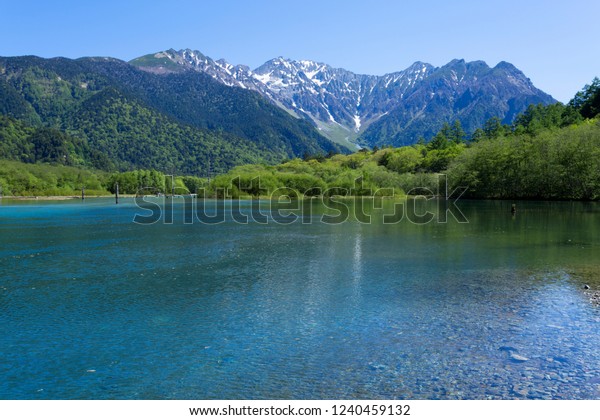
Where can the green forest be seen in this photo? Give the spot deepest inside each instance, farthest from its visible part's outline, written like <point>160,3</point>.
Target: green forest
<point>550,152</point>
<point>108,115</point>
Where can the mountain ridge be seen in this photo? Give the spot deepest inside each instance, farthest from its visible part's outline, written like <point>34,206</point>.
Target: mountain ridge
<point>344,105</point>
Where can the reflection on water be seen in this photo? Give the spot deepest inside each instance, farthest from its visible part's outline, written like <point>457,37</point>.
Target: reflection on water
<point>94,306</point>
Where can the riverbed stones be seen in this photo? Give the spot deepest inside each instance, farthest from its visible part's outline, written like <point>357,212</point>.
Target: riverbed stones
<point>520,391</point>
<point>515,357</point>
<point>593,295</point>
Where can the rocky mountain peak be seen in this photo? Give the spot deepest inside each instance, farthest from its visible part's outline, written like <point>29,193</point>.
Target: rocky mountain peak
<point>347,107</point>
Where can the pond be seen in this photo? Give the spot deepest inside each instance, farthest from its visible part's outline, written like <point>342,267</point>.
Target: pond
<point>95,306</point>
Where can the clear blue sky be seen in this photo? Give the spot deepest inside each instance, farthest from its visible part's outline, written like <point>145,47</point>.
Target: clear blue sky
<point>555,43</point>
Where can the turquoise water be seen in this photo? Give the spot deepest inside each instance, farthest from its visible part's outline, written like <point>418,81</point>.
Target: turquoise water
<point>94,306</point>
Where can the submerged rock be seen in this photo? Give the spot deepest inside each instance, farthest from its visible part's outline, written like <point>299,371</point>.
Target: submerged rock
<point>518,358</point>
<point>513,356</point>
<point>519,391</point>
<point>594,296</point>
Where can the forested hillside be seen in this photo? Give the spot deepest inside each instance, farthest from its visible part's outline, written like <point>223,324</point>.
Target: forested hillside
<point>140,120</point>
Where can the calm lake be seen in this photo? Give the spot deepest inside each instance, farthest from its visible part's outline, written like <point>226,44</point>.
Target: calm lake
<point>94,306</point>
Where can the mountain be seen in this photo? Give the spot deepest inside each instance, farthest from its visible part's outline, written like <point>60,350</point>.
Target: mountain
<point>469,92</point>
<point>396,108</point>
<point>180,120</point>
<point>182,110</point>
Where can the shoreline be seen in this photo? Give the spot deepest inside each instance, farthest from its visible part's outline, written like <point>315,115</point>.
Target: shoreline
<point>337,197</point>
<point>58,197</point>
<point>593,296</point>
<point>588,280</point>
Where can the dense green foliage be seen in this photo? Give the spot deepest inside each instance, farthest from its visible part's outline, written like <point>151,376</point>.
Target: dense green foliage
<point>44,179</point>
<point>21,142</point>
<point>136,182</point>
<point>138,137</point>
<point>106,108</point>
<point>554,164</point>
<point>361,174</point>
<point>587,101</point>
<point>22,179</point>
<point>550,152</point>
<point>560,163</point>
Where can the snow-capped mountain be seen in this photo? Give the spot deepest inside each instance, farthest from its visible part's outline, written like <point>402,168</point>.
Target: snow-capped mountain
<point>172,61</point>
<point>337,98</point>
<point>395,108</point>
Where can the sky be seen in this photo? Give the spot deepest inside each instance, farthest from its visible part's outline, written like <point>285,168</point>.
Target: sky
<point>555,43</point>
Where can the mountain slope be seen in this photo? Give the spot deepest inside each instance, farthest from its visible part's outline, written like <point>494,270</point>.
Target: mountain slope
<point>469,92</point>
<point>141,137</point>
<point>146,120</point>
<point>200,101</point>
<point>396,108</point>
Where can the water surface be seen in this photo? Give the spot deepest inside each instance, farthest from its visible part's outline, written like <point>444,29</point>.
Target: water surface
<point>93,306</point>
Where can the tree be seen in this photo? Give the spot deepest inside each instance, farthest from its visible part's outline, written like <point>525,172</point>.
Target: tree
<point>437,160</point>
<point>541,117</point>
<point>49,145</point>
<point>587,100</point>
<point>404,159</point>
<point>493,128</point>
<point>477,135</point>
<point>440,140</point>
<point>457,134</point>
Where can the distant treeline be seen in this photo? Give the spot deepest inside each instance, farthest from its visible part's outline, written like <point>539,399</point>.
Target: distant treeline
<point>28,179</point>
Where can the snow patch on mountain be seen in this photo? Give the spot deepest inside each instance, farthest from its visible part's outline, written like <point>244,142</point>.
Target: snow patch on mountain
<point>329,95</point>
<point>357,123</point>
